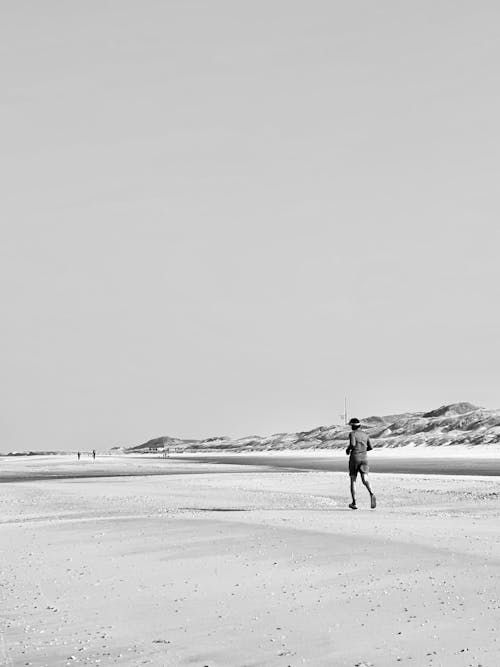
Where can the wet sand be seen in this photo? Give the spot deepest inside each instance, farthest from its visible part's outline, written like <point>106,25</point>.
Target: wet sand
<point>40,468</point>
<point>17,469</point>
<point>246,569</point>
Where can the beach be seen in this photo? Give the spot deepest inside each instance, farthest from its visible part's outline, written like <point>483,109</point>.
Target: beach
<point>219,564</point>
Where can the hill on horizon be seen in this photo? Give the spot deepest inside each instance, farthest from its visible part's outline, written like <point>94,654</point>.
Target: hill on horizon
<point>454,424</point>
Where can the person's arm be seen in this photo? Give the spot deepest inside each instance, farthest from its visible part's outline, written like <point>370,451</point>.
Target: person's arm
<point>368,445</point>
<point>351,443</point>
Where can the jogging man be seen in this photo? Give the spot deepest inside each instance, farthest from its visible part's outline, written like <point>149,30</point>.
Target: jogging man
<point>359,445</point>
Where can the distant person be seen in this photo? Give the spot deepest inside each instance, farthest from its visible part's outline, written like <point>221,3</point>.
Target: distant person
<point>93,454</point>
<point>359,445</point>
<point>79,455</point>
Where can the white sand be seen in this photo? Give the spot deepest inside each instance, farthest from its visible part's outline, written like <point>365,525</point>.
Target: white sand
<point>491,451</point>
<point>152,570</point>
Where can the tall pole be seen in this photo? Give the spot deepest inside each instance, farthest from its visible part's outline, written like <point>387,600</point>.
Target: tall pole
<point>343,416</point>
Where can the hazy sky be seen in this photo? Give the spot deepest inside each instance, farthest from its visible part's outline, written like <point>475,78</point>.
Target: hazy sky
<point>218,218</point>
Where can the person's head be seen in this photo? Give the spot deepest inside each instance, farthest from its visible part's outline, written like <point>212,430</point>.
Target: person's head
<point>354,423</point>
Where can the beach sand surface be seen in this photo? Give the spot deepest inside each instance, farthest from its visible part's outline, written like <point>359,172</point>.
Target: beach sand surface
<point>245,569</point>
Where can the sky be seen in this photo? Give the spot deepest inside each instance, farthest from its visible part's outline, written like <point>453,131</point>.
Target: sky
<point>220,218</point>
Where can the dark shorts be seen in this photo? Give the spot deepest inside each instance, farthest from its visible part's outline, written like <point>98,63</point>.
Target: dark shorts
<point>358,465</point>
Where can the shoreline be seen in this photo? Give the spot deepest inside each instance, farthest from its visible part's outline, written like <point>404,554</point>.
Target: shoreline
<point>67,467</point>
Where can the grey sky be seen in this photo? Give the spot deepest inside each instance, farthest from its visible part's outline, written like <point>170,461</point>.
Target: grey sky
<point>219,217</point>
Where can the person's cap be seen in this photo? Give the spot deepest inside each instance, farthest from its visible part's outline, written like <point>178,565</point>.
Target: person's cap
<point>354,421</point>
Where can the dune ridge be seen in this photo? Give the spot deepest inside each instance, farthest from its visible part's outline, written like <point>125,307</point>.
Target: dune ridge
<point>461,424</point>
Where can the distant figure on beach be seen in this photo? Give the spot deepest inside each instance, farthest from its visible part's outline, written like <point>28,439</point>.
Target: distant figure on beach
<point>79,455</point>
<point>93,454</point>
<point>359,445</point>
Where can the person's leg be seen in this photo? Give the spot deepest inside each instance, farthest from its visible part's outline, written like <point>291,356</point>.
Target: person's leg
<point>364,479</point>
<point>353,473</point>
<point>353,492</point>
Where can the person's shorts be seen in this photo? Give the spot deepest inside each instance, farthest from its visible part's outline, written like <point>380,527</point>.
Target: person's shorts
<point>358,465</point>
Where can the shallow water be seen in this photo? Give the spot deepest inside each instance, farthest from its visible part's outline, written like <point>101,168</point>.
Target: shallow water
<point>378,464</point>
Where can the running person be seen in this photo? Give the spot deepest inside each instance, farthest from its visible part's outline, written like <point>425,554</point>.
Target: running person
<point>359,445</point>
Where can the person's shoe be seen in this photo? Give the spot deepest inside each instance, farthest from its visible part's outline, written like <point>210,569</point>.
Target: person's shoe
<point>353,506</point>
<point>373,502</point>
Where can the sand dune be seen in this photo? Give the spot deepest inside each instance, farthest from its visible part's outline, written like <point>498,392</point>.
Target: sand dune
<point>460,425</point>
<point>248,569</point>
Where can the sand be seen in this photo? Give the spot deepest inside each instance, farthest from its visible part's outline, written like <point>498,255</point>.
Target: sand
<point>246,568</point>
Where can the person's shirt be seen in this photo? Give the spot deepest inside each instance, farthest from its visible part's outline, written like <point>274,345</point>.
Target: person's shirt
<point>359,443</point>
